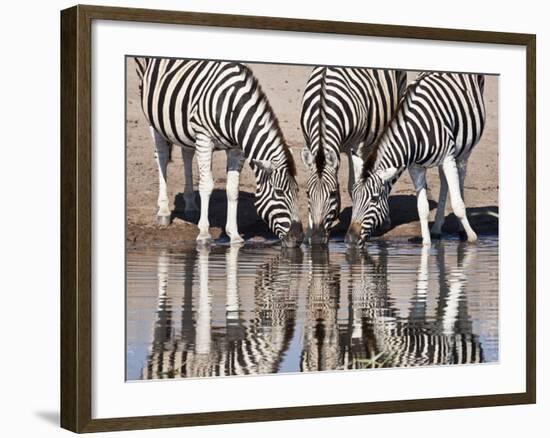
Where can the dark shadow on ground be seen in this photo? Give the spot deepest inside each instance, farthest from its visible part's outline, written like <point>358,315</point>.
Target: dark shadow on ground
<point>249,223</point>
<point>403,210</point>
<point>484,221</point>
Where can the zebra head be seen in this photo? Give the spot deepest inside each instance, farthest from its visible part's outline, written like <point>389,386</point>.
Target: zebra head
<point>277,199</point>
<point>323,193</point>
<point>370,208</point>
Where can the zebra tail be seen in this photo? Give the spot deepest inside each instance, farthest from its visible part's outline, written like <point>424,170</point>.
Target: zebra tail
<point>141,65</point>
<point>481,82</point>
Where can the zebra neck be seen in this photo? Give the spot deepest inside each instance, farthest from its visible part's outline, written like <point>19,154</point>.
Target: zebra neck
<point>263,140</point>
<point>277,155</point>
<point>389,162</point>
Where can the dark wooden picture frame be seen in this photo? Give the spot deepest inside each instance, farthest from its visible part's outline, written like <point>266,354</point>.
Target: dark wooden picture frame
<point>76,217</point>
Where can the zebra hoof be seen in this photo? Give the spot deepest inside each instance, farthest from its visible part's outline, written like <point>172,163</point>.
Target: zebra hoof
<point>163,220</point>
<point>236,240</point>
<point>204,240</point>
<point>435,236</point>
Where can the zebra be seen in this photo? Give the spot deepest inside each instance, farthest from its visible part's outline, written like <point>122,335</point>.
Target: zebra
<point>344,110</point>
<point>203,106</point>
<point>439,121</point>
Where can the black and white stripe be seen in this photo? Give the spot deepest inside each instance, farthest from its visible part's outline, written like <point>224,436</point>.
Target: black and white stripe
<point>203,106</point>
<point>439,121</point>
<point>344,110</point>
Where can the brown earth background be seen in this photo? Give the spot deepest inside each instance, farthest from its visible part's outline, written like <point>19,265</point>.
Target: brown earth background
<point>284,85</point>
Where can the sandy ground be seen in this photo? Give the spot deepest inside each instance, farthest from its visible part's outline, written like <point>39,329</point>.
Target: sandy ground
<point>284,86</point>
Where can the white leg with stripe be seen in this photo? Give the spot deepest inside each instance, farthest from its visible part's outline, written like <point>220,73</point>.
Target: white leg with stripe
<point>461,166</point>
<point>459,209</point>
<point>418,176</point>
<point>232,292</point>
<point>162,156</point>
<point>205,148</point>
<point>440,214</point>
<point>235,161</point>
<point>203,338</point>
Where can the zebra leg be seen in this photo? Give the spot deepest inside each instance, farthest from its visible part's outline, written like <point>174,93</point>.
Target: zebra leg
<point>235,161</point>
<point>190,208</point>
<point>203,337</point>
<point>440,214</point>
<point>418,176</point>
<point>205,148</point>
<point>456,280</point>
<point>162,156</point>
<point>459,209</point>
<point>462,167</point>
<point>418,303</point>
<point>232,292</point>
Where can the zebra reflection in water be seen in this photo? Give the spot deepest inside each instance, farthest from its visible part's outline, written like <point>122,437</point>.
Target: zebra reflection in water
<point>321,343</point>
<point>251,342</point>
<point>290,311</point>
<point>383,337</point>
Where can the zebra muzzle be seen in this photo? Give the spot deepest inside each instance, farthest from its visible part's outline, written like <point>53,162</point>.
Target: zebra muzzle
<point>295,235</point>
<point>353,236</point>
<point>318,236</point>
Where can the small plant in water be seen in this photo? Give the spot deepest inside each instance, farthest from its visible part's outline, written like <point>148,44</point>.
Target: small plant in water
<point>377,361</point>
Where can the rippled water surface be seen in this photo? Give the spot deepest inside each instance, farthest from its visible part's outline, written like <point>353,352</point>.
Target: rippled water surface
<point>256,310</point>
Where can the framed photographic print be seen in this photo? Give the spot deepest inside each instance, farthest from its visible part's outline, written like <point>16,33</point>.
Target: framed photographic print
<point>260,213</point>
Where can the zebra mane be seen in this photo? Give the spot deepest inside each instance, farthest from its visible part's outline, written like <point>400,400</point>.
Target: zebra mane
<point>370,161</point>
<point>275,121</point>
<point>320,156</point>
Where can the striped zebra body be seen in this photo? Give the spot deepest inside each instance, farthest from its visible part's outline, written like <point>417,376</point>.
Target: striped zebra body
<point>439,121</point>
<point>344,111</point>
<point>203,106</point>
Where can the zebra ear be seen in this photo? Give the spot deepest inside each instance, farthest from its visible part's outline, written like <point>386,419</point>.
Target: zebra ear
<point>387,174</point>
<point>307,157</point>
<point>264,165</point>
<point>331,159</point>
